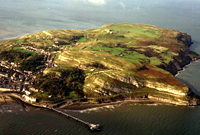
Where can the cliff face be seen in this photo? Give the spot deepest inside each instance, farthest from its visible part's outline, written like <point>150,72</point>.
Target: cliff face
<point>184,57</point>
<point>116,82</point>
<point>169,100</point>
<point>179,91</point>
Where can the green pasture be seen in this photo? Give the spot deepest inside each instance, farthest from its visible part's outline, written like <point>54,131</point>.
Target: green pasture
<point>84,38</point>
<point>19,48</point>
<point>20,40</point>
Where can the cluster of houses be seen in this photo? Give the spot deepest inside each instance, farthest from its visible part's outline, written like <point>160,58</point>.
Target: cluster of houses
<point>48,57</point>
<point>14,80</point>
<point>29,99</point>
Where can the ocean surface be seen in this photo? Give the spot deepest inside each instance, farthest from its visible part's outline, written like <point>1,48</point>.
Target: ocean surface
<point>20,17</point>
<point>124,119</point>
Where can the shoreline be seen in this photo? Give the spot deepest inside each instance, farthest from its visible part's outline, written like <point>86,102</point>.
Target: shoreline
<point>10,100</point>
<point>7,100</point>
<point>185,66</point>
<point>85,106</point>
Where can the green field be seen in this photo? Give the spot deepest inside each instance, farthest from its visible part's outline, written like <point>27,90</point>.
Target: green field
<point>20,41</point>
<point>83,39</point>
<point>19,48</point>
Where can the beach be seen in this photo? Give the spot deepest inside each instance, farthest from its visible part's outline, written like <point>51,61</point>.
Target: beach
<point>83,106</point>
<point>6,100</point>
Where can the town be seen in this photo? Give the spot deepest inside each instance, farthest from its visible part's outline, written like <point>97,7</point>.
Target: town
<point>13,79</point>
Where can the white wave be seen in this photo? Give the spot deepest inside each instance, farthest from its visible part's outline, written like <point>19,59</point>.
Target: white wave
<point>145,104</point>
<point>9,111</point>
<point>177,74</point>
<point>97,109</point>
<point>192,107</point>
<point>110,106</point>
<point>154,104</point>
<point>180,71</point>
<point>1,111</point>
<point>90,110</point>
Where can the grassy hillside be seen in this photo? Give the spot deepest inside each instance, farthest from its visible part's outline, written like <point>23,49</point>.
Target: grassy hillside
<point>117,58</point>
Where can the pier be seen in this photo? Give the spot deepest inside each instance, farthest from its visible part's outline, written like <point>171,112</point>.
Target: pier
<point>93,127</point>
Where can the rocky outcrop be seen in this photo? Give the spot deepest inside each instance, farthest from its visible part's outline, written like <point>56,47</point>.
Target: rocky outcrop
<point>179,91</point>
<point>185,38</point>
<point>169,100</point>
<point>178,63</point>
<point>185,56</point>
<point>134,80</point>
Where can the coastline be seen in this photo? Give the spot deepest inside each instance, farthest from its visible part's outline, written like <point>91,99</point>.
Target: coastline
<point>185,66</point>
<point>85,106</point>
<point>11,100</point>
<point>6,100</point>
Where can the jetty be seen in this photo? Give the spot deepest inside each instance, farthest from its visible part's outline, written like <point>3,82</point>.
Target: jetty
<point>93,127</point>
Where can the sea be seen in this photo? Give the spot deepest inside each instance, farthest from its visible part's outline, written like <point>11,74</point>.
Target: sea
<point>20,17</point>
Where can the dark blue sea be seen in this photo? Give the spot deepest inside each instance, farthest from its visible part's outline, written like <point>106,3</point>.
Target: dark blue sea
<point>20,17</point>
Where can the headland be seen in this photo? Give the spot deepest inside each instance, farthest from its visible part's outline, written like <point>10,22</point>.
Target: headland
<point>114,63</point>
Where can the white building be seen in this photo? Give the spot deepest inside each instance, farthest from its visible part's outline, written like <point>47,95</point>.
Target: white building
<point>29,99</point>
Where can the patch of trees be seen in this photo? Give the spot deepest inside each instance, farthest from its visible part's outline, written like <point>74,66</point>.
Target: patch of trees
<point>34,63</point>
<point>142,68</point>
<point>26,61</point>
<point>71,79</point>
<point>97,65</point>
<point>13,55</point>
<point>131,48</point>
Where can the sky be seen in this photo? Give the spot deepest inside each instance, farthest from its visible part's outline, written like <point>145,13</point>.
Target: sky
<point>25,16</point>
<point>132,3</point>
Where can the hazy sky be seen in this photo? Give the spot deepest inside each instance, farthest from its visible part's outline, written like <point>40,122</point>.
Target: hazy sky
<point>25,16</point>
